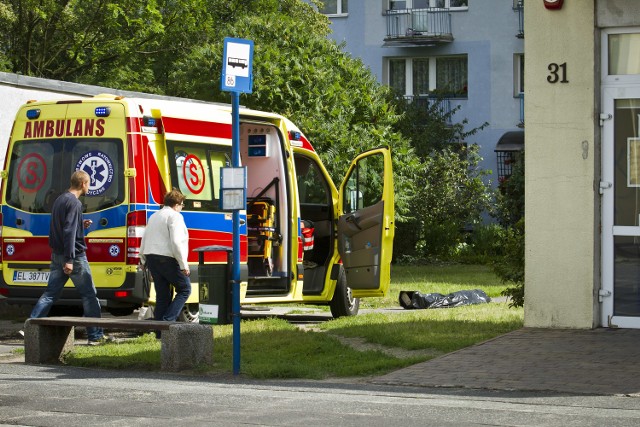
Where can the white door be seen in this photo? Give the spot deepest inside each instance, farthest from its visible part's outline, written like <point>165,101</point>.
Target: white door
<point>620,182</point>
<point>620,188</point>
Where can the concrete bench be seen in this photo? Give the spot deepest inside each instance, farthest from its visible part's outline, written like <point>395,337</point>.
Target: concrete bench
<point>183,345</point>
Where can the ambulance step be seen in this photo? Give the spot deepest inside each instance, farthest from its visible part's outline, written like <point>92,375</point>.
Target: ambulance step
<point>269,285</point>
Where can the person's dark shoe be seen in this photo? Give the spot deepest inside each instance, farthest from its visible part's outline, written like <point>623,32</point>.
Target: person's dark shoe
<point>102,340</point>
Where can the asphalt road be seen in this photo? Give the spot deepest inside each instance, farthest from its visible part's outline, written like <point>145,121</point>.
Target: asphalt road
<point>66,396</point>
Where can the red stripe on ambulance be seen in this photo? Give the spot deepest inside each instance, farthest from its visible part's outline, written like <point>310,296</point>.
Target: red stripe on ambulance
<point>196,127</point>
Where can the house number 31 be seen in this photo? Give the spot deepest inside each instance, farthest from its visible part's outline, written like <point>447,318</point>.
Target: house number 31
<point>557,73</point>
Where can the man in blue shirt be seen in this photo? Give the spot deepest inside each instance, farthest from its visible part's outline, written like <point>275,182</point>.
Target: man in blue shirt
<point>68,255</point>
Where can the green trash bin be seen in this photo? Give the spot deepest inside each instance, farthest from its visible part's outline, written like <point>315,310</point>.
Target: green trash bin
<point>215,288</point>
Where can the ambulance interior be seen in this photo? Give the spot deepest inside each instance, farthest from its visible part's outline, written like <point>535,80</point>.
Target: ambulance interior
<point>267,209</point>
<point>269,224</point>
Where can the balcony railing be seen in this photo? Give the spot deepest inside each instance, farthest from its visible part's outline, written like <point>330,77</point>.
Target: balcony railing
<point>418,27</point>
<point>443,105</point>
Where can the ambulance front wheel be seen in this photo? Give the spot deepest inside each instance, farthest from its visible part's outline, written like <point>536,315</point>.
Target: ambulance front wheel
<point>343,303</point>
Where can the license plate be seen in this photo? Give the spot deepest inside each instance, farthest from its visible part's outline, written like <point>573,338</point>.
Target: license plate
<point>30,276</point>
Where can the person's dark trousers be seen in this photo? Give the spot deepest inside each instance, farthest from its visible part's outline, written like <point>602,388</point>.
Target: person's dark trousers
<point>166,272</point>
<point>82,280</point>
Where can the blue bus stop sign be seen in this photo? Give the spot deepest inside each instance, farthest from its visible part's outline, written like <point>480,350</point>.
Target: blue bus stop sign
<point>237,78</point>
<point>237,65</point>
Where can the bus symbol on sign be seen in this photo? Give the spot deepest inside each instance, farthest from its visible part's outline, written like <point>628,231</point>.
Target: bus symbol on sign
<point>237,62</point>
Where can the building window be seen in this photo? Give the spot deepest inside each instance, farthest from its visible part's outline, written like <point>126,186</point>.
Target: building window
<point>451,4</point>
<point>623,57</point>
<point>443,75</point>
<point>424,4</point>
<point>518,74</point>
<point>408,4</point>
<point>420,76</point>
<point>398,75</point>
<point>451,75</point>
<point>335,7</point>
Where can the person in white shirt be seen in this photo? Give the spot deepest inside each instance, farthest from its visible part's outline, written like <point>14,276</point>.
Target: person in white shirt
<point>164,250</point>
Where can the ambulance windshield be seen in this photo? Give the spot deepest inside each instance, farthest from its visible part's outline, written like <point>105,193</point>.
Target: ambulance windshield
<point>40,170</point>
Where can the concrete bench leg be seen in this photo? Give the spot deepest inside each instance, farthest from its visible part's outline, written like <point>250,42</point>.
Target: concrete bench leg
<point>186,346</point>
<point>46,344</point>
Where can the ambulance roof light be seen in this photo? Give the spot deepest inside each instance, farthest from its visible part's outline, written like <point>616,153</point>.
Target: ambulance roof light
<point>103,111</point>
<point>149,121</point>
<point>152,124</point>
<point>295,135</point>
<point>33,114</point>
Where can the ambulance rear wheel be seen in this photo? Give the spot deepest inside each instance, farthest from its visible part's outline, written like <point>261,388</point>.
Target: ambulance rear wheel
<point>343,303</point>
<point>190,313</point>
<point>120,311</point>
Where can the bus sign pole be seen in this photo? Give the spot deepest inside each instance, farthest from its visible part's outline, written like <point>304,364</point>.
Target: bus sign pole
<point>237,77</point>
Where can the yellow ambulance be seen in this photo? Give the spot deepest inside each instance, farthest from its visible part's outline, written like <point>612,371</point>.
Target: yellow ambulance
<point>302,239</point>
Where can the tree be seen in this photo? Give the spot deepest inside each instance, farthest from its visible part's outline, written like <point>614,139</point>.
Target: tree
<point>79,41</point>
<point>451,194</point>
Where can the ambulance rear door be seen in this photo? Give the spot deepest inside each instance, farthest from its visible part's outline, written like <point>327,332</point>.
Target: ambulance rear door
<point>366,223</point>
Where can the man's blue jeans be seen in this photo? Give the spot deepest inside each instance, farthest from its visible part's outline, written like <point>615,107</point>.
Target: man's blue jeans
<point>166,272</point>
<point>82,280</point>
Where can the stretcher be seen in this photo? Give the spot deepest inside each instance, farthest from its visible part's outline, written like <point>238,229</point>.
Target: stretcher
<point>261,236</point>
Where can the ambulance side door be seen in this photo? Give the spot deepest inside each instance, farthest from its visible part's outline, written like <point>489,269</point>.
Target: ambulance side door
<point>366,223</point>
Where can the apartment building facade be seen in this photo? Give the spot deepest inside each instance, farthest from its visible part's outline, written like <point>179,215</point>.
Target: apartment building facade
<point>468,53</point>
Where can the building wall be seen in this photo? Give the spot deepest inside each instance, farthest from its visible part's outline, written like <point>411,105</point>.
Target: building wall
<point>562,145</point>
<point>617,13</point>
<point>563,162</point>
<point>486,32</point>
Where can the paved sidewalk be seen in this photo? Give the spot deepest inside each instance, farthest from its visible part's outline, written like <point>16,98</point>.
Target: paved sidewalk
<point>600,361</point>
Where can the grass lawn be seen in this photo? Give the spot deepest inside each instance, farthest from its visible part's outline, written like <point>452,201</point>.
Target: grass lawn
<point>368,344</point>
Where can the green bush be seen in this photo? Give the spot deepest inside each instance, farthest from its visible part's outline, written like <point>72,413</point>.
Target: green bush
<point>450,196</point>
<point>441,240</point>
<point>483,244</point>
<point>510,267</point>
<point>405,242</point>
